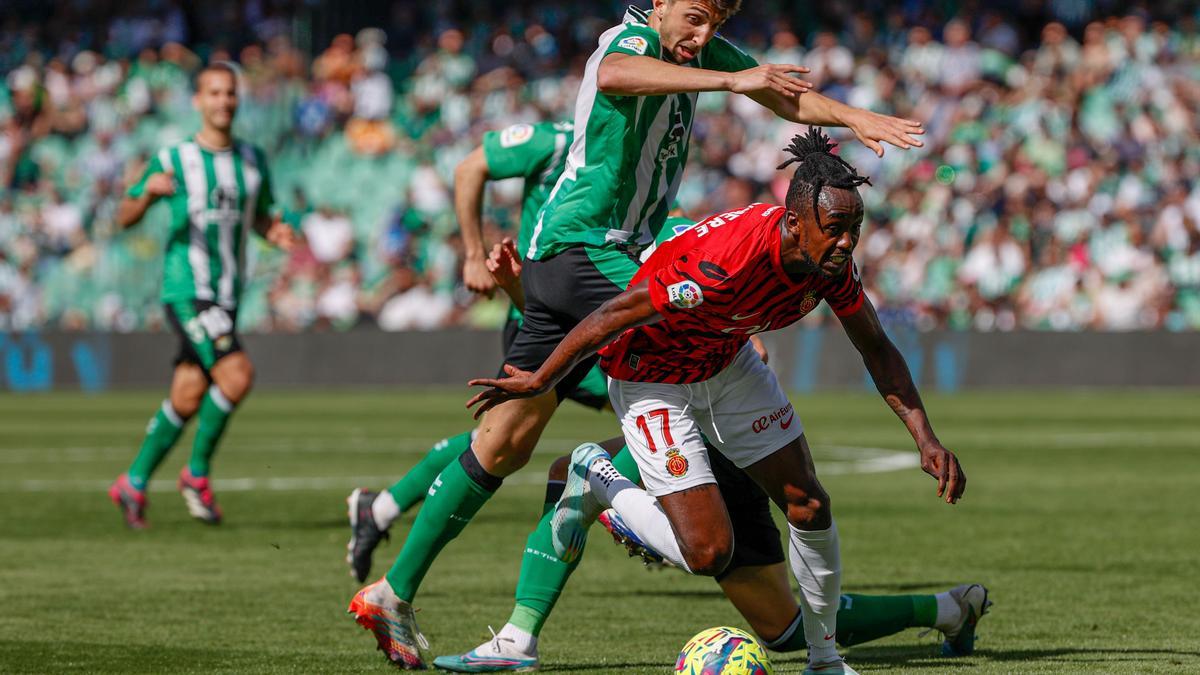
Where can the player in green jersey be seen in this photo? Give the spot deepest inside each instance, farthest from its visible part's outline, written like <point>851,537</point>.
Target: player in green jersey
<point>218,188</point>
<point>633,120</point>
<point>536,153</point>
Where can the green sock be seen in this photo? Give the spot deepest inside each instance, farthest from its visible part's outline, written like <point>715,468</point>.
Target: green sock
<point>161,434</point>
<point>627,465</point>
<point>542,579</point>
<point>214,414</point>
<point>413,487</point>
<point>455,497</point>
<point>862,618</point>
<point>543,575</point>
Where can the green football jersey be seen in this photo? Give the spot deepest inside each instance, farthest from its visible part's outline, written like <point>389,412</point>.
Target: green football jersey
<point>535,152</point>
<point>627,158</point>
<point>217,197</point>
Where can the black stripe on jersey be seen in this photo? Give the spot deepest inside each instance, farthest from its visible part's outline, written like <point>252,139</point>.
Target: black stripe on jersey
<point>712,270</point>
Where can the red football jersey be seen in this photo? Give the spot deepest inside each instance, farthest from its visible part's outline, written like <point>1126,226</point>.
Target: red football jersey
<point>715,286</point>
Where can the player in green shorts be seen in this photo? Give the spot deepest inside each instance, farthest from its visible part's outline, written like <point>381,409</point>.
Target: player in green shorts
<point>633,121</point>
<point>536,153</point>
<point>218,188</point>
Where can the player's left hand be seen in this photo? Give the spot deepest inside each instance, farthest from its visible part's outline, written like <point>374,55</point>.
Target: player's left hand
<point>873,129</point>
<point>518,384</point>
<point>940,463</point>
<point>281,235</point>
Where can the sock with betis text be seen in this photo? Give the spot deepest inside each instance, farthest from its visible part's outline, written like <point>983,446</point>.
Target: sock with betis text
<point>411,489</point>
<point>214,414</point>
<point>455,497</point>
<point>543,575</point>
<point>162,432</point>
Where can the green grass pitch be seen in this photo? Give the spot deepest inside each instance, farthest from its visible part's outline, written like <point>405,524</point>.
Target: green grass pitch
<point>1082,515</point>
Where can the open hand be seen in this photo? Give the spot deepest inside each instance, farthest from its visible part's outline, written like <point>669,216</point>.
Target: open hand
<point>770,76</point>
<point>873,129</point>
<point>940,463</point>
<point>518,384</point>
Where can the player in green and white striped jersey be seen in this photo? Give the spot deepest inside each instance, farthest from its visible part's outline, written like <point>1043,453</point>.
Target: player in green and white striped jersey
<point>633,120</point>
<point>218,188</point>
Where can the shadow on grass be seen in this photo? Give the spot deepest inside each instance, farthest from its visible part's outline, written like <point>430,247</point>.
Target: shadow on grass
<point>928,656</point>
<point>31,656</point>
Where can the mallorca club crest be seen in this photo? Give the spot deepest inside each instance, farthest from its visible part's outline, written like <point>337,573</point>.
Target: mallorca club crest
<point>685,294</point>
<point>677,464</point>
<point>809,303</point>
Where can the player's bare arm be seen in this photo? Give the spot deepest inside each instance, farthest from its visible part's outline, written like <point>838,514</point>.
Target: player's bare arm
<point>133,209</point>
<point>630,309</point>
<point>629,75</point>
<point>872,129</point>
<point>894,382</point>
<point>470,177</point>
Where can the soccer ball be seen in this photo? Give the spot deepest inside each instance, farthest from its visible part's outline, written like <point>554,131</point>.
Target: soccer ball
<point>723,651</point>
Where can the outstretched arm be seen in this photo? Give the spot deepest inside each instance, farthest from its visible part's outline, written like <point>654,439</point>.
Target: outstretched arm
<point>872,129</point>
<point>890,373</point>
<point>631,308</point>
<point>630,75</point>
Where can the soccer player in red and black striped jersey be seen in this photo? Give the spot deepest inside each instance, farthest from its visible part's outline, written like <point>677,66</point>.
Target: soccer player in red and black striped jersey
<point>675,344</point>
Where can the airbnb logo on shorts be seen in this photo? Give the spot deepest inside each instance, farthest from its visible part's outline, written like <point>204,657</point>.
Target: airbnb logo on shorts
<point>785,416</point>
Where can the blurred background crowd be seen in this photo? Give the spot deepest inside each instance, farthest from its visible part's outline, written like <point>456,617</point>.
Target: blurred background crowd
<point>1059,187</point>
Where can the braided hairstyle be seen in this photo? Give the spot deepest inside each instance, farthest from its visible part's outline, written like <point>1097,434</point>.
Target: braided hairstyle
<point>817,168</point>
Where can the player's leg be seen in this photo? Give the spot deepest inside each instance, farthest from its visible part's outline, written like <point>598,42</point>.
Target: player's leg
<point>219,352</point>
<point>129,490</point>
<point>543,577</point>
<point>754,425</point>
<point>372,513</point>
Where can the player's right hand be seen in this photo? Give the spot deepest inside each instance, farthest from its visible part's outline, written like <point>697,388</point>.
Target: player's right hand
<point>477,278</point>
<point>518,384</point>
<point>771,76</point>
<point>161,184</point>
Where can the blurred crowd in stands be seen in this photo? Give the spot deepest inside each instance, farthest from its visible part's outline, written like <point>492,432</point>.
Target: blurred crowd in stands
<point>1058,189</point>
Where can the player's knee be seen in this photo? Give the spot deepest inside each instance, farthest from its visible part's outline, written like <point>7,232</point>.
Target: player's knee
<point>808,507</point>
<point>235,383</point>
<point>186,405</point>
<point>708,558</point>
<point>558,468</point>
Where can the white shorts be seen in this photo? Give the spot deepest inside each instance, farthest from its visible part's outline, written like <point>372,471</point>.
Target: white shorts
<point>742,411</point>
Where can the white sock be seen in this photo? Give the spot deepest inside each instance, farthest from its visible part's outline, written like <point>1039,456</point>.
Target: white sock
<point>948,613</point>
<point>525,643</point>
<point>640,511</point>
<point>817,565</point>
<point>385,509</point>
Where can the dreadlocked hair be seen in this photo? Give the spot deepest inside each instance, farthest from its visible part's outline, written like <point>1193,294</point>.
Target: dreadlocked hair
<point>817,167</point>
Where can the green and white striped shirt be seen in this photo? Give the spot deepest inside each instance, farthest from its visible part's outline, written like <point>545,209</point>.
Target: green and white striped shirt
<point>218,196</point>
<point>625,163</point>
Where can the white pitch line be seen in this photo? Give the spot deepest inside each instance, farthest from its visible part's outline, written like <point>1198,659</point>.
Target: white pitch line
<point>851,460</point>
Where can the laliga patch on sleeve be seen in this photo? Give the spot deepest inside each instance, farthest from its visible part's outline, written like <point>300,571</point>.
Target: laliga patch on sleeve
<point>685,294</point>
<point>516,135</point>
<point>634,43</point>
